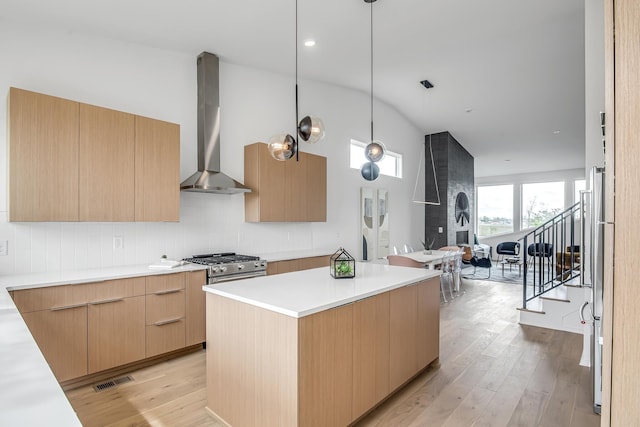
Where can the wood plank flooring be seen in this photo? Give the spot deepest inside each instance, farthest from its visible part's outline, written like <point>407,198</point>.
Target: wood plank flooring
<point>493,372</point>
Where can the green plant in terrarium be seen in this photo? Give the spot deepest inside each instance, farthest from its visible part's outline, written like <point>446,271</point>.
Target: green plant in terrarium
<point>343,268</point>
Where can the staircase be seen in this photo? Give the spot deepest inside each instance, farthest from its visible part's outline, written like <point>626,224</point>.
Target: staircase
<point>551,290</point>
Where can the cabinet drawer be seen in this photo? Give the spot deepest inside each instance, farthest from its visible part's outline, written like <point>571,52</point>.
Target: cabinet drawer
<point>165,305</point>
<point>37,299</point>
<point>165,282</point>
<point>165,336</point>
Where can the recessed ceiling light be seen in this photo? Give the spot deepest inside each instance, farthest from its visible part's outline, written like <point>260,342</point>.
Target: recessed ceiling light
<point>555,132</point>
<point>309,43</point>
<point>507,160</point>
<point>468,110</point>
<point>426,83</point>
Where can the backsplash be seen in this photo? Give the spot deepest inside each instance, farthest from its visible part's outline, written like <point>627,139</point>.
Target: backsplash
<point>208,224</point>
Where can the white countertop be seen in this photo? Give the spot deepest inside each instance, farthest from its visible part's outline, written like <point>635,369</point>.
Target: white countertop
<point>29,392</point>
<point>306,292</point>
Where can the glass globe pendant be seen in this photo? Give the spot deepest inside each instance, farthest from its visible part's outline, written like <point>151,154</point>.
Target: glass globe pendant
<point>282,146</point>
<point>374,152</point>
<point>370,171</point>
<point>311,129</point>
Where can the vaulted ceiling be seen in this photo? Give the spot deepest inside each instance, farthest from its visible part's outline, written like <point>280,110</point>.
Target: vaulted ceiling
<point>508,74</point>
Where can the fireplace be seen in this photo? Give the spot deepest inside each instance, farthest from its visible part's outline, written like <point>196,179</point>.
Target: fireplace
<point>462,237</point>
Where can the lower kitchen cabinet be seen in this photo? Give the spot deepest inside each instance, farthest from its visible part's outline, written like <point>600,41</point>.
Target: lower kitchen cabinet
<point>61,334</point>
<point>165,313</point>
<point>87,328</point>
<point>195,310</point>
<point>403,314</point>
<point>116,333</point>
<point>297,264</point>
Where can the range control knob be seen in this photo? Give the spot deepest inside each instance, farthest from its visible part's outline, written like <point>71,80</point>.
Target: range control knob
<point>256,264</point>
<point>240,266</point>
<point>223,268</point>
<point>264,263</point>
<point>214,269</point>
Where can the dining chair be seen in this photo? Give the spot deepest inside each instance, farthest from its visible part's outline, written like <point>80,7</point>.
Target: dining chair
<point>408,248</point>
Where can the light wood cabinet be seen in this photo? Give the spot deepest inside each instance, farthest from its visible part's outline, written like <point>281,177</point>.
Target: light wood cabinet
<point>87,328</point>
<point>297,264</point>
<point>43,157</point>
<point>70,161</point>
<point>371,351</point>
<point>157,170</point>
<point>195,310</point>
<point>165,313</point>
<point>106,164</point>
<point>326,367</point>
<point>116,332</point>
<point>61,334</point>
<point>291,191</point>
<point>403,316</point>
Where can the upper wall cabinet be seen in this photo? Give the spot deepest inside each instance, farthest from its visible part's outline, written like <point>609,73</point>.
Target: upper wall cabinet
<point>43,157</point>
<point>291,191</point>
<point>70,161</point>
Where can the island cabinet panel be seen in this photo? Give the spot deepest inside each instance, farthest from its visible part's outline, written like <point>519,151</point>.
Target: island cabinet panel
<point>43,157</point>
<point>106,164</point>
<point>61,335</point>
<point>403,312</point>
<point>326,367</point>
<point>291,191</point>
<point>428,339</point>
<point>195,308</point>
<point>252,372</point>
<point>370,352</point>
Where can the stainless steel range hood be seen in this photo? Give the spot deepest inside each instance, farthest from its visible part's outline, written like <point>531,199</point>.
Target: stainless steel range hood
<point>208,178</point>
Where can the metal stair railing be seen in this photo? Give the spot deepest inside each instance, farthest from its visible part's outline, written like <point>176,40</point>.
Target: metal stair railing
<point>544,270</point>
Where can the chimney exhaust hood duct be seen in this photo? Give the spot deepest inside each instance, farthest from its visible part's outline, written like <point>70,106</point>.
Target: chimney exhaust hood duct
<point>208,178</point>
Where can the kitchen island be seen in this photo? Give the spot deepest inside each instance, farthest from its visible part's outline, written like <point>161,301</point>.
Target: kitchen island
<point>304,349</point>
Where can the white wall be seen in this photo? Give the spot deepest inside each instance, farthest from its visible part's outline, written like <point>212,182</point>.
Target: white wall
<point>254,105</point>
<point>594,81</point>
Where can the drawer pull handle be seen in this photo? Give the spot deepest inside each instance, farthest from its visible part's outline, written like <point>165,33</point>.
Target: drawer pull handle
<point>166,322</point>
<point>106,301</point>
<point>68,307</point>
<point>170,291</point>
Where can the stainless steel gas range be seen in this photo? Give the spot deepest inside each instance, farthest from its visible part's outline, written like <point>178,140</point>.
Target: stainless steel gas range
<point>228,266</point>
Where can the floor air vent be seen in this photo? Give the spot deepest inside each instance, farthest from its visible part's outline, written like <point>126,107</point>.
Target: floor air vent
<point>112,383</point>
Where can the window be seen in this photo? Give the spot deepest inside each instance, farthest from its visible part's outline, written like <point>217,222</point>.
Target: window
<point>390,165</point>
<point>578,186</point>
<point>540,202</point>
<point>495,210</point>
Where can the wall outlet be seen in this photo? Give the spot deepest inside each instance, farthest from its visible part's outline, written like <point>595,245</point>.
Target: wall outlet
<point>440,229</point>
<point>118,242</point>
<point>4,247</point>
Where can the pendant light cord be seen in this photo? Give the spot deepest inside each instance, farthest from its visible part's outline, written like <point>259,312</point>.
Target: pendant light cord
<point>371,40</point>
<point>296,56</point>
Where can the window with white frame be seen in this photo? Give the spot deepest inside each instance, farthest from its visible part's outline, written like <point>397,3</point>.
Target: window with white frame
<point>541,201</point>
<point>390,165</point>
<point>495,209</point>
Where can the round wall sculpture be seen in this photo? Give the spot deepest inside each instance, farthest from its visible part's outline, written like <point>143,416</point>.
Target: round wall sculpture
<point>462,208</point>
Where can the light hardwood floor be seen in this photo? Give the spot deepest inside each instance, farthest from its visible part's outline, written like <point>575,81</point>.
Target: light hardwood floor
<point>493,372</point>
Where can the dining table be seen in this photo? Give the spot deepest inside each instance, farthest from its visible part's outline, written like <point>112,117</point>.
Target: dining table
<point>430,258</point>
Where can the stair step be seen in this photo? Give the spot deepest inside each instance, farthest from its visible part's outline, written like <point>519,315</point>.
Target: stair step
<point>575,282</point>
<point>556,294</point>
<point>533,306</point>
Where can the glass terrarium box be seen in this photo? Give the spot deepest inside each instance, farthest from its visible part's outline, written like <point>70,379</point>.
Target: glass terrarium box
<point>342,265</point>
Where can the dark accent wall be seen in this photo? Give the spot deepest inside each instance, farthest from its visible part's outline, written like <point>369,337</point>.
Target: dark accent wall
<point>454,171</point>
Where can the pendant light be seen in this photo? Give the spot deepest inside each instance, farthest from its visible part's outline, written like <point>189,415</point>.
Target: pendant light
<point>283,146</point>
<point>374,151</point>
